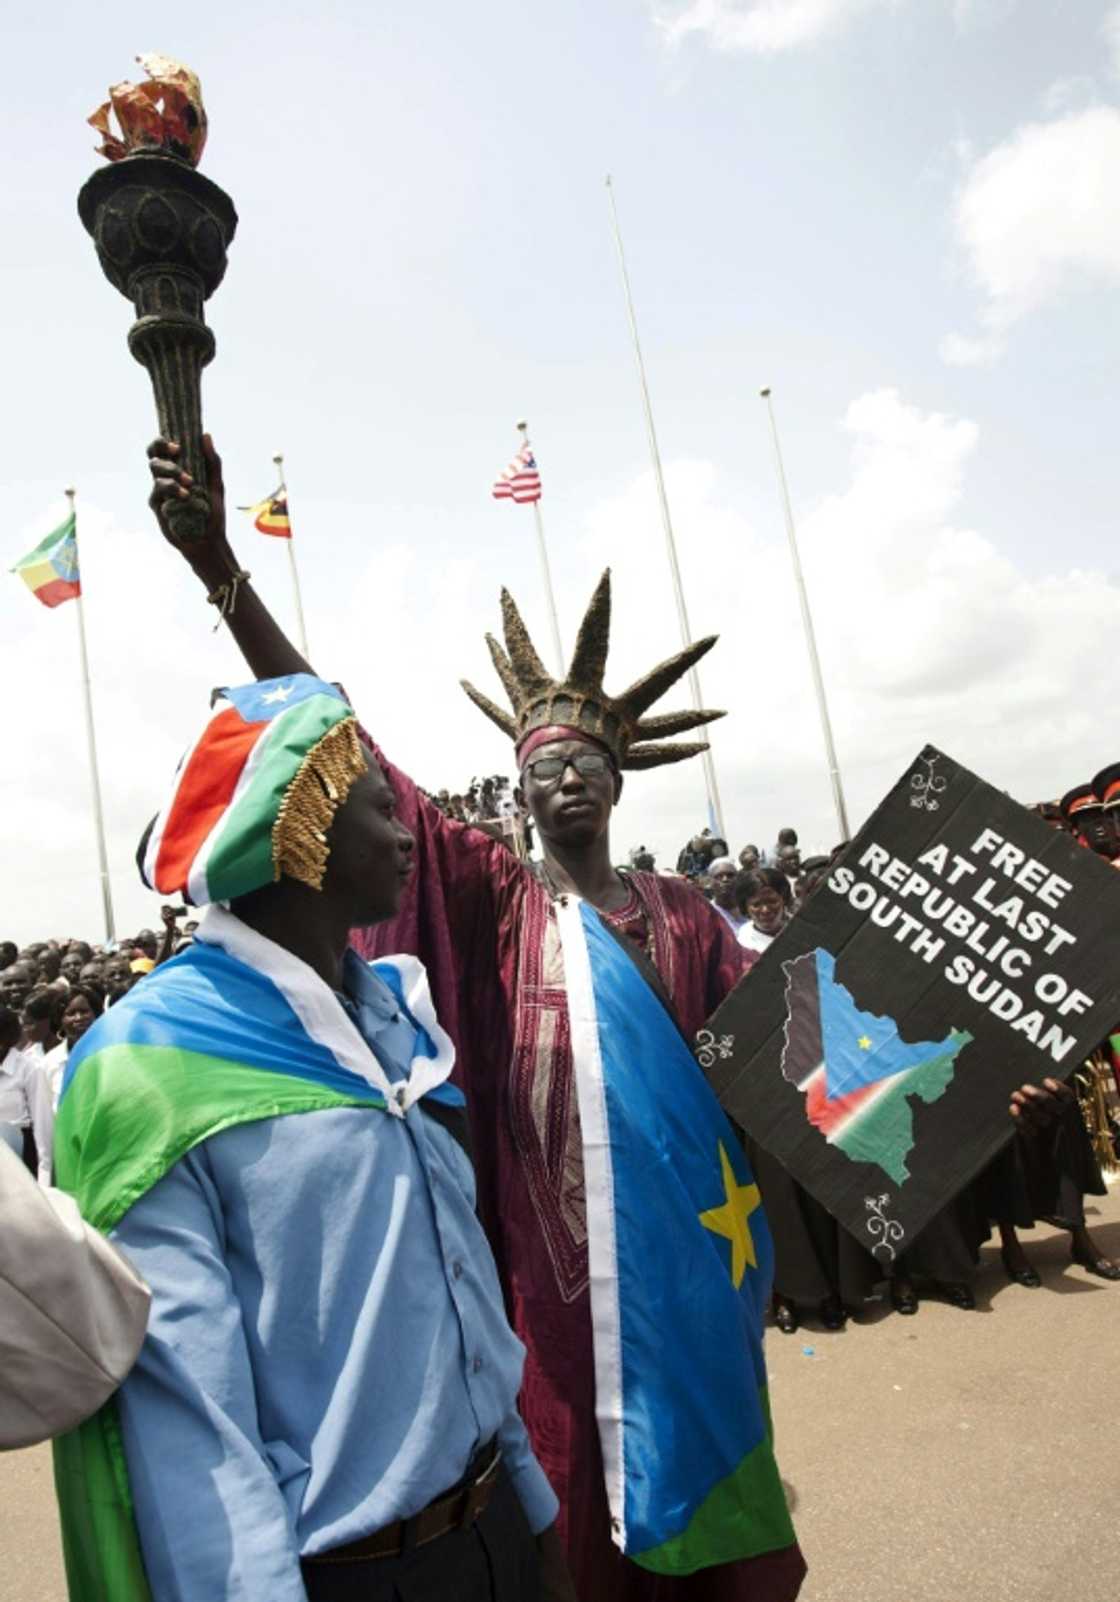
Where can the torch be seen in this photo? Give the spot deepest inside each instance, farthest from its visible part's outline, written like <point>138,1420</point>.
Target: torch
<point>162,230</point>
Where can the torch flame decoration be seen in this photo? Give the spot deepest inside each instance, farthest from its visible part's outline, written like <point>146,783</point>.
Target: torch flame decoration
<point>164,114</point>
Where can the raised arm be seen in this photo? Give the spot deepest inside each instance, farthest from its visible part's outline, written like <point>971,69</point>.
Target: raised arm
<point>449,906</point>
<point>267,650</point>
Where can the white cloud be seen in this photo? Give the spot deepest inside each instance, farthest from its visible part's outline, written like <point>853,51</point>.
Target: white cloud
<point>765,27</point>
<point>761,27</point>
<point>1035,218</point>
<point>927,631</point>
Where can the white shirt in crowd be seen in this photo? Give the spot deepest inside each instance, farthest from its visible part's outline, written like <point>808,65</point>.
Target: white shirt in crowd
<point>45,1070</point>
<point>754,939</point>
<point>15,1104</point>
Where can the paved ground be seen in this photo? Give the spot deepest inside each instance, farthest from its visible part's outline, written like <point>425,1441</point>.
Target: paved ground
<point>950,1457</point>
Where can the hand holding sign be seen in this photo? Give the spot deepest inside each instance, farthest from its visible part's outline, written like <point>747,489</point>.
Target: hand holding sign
<point>957,960</point>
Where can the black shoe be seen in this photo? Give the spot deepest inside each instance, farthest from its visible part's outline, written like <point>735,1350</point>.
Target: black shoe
<point>904,1299</point>
<point>1026,1275</point>
<point>785,1316</point>
<point>1103,1267</point>
<point>959,1296</point>
<point>833,1314</point>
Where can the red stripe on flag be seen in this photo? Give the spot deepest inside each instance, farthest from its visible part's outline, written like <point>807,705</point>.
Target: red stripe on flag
<point>203,792</point>
<point>829,1114</point>
<point>55,591</point>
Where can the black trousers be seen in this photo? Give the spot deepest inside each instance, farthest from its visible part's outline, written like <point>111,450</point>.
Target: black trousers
<point>494,1560</point>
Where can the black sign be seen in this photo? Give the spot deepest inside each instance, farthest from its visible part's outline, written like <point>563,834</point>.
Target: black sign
<point>957,950</point>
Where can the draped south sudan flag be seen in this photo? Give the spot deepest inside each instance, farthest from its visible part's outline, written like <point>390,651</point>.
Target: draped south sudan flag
<point>681,1264</point>
<point>232,1031</point>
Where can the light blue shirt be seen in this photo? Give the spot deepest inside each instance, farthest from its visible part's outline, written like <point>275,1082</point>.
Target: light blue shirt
<point>327,1347</point>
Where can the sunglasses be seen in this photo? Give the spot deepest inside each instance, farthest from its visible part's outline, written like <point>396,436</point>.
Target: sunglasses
<point>589,765</point>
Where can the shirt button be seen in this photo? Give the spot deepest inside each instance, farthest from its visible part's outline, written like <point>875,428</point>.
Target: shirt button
<point>476,1365</point>
<point>456,1270</point>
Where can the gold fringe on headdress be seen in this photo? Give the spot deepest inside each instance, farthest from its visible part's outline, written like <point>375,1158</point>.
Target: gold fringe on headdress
<point>579,701</point>
<point>299,835</point>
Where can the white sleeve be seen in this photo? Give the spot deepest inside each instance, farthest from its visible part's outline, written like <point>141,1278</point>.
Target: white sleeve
<point>72,1312</point>
<point>41,1106</point>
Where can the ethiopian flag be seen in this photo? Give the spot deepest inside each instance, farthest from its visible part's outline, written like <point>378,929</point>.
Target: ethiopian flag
<point>50,571</point>
<point>270,516</point>
<point>681,1263</point>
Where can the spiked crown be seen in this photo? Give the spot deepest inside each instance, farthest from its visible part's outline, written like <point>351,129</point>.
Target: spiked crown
<point>580,702</point>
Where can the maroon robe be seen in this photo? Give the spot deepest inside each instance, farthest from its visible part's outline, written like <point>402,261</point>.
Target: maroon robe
<point>483,926</point>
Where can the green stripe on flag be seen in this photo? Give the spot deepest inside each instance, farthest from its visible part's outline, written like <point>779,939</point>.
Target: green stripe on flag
<point>128,1116</point>
<point>743,1516</point>
<point>133,1111</point>
<point>290,735</point>
<point>100,1545</point>
<point>64,531</point>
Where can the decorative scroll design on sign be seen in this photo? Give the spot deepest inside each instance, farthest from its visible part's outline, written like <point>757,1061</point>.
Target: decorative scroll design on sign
<point>887,1232</point>
<point>927,786</point>
<point>708,1048</point>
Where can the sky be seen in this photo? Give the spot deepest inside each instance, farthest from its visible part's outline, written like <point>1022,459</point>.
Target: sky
<point>898,214</point>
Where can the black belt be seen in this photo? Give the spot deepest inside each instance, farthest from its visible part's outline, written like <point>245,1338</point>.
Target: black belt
<point>456,1509</point>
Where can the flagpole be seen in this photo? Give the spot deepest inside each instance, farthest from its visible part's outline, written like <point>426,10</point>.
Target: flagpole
<point>290,542</point>
<point>810,636</point>
<point>715,806</point>
<point>546,572</point>
<point>91,742</point>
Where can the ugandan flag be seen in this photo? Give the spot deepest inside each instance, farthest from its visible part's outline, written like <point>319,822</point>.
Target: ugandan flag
<point>50,571</point>
<point>270,516</point>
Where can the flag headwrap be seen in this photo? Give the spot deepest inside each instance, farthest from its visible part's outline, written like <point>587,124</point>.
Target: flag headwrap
<point>255,795</point>
<point>578,706</point>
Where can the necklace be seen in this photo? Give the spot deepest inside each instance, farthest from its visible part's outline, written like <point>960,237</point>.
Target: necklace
<point>633,911</point>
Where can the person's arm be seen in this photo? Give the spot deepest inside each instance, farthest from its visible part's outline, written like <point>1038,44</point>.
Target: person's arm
<point>1038,1108</point>
<point>540,1506</point>
<point>211,1516</point>
<point>447,915</point>
<point>40,1101</point>
<point>727,959</point>
<point>262,642</point>
<point>72,1312</point>
<point>167,943</point>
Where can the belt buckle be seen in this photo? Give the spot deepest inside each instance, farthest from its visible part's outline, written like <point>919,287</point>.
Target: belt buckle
<point>478,1492</point>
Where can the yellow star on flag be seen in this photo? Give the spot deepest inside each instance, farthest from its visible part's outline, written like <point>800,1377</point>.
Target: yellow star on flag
<point>731,1220</point>
<point>865,1042</point>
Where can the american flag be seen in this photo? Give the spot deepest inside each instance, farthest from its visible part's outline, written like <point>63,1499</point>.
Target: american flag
<point>520,481</point>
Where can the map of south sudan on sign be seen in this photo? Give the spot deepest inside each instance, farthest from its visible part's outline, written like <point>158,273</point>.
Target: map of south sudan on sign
<point>857,1075</point>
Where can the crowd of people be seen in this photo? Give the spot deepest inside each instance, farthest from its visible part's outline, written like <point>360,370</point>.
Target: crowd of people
<point>51,991</point>
<point>494,805</point>
<point>362,938</point>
